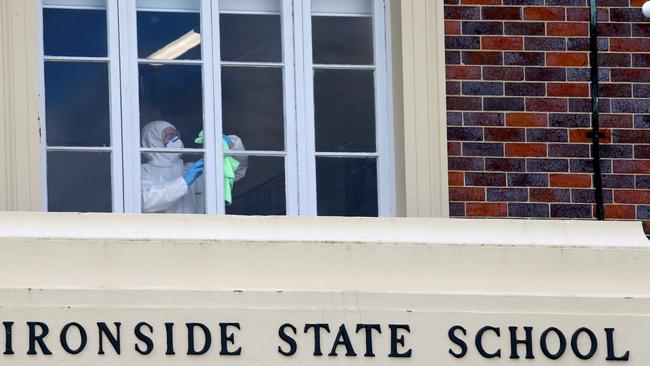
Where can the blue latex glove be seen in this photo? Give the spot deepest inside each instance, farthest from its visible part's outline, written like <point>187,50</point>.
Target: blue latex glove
<point>194,172</point>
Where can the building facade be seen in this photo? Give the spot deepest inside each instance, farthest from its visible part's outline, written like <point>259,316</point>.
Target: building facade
<point>519,109</point>
<point>263,116</point>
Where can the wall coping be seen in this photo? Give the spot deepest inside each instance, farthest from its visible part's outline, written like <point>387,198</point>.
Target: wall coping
<point>80,226</point>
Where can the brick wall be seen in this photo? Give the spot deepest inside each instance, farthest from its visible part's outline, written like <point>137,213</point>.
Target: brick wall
<point>519,108</point>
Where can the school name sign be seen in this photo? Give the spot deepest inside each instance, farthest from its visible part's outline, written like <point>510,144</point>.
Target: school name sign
<point>197,339</point>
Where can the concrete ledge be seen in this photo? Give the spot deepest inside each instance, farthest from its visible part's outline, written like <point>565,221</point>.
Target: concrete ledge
<point>321,230</point>
<point>532,258</point>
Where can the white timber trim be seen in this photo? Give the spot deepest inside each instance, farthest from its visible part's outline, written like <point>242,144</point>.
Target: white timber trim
<point>425,122</point>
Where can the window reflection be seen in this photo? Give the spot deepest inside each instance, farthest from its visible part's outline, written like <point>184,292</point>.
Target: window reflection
<point>345,110</point>
<point>253,106</point>
<point>342,40</point>
<point>251,38</point>
<point>173,93</point>
<point>169,35</point>
<point>77,104</point>
<point>79,182</point>
<point>262,190</point>
<point>346,186</point>
<point>88,36</point>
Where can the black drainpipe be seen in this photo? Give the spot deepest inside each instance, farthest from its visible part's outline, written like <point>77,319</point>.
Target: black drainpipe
<point>595,133</point>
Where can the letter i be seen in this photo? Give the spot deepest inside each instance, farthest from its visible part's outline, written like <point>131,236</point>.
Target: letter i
<point>8,338</point>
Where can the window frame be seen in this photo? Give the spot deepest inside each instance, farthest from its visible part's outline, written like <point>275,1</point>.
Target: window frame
<point>299,153</point>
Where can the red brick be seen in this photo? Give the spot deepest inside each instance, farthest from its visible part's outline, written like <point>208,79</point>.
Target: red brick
<point>567,59</point>
<point>454,148</point>
<point>567,89</point>
<point>466,194</point>
<point>544,13</point>
<point>527,119</point>
<point>505,134</point>
<point>452,27</point>
<point>502,43</point>
<point>567,29</point>
<point>501,13</point>
<point>525,150</point>
<point>503,73</point>
<point>629,44</point>
<point>616,120</point>
<point>481,2</point>
<point>632,166</point>
<point>631,75</point>
<point>620,212</point>
<point>571,180</point>
<point>463,103</point>
<point>456,179</point>
<point>482,58</point>
<point>463,72</point>
<point>547,104</point>
<point>550,195</point>
<point>635,197</point>
<point>580,135</point>
<point>487,209</point>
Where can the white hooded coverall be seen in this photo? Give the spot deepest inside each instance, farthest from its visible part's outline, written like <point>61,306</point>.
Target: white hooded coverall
<point>163,186</point>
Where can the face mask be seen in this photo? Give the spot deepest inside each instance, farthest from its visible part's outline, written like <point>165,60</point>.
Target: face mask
<point>175,143</point>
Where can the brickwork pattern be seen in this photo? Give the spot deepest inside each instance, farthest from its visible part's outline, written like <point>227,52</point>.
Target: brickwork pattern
<point>519,106</point>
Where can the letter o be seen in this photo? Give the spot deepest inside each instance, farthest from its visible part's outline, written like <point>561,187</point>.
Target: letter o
<point>544,346</point>
<point>592,338</point>
<point>64,338</point>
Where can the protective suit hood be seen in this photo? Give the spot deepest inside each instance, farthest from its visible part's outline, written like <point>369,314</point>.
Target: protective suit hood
<point>152,138</point>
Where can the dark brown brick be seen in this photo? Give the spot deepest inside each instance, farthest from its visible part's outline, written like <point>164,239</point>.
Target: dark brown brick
<point>482,119</point>
<point>547,165</point>
<point>527,180</point>
<point>530,210</point>
<point>485,179</point>
<point>505,164</point>
<point>571,211</point>
<point>550,195</point>
<point>482,149</point>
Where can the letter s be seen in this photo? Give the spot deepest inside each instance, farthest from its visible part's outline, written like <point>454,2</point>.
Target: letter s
<point>457,341</point>
<point>287,338</point>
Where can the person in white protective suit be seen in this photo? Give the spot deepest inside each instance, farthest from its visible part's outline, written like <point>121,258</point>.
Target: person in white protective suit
<point>168,184</point>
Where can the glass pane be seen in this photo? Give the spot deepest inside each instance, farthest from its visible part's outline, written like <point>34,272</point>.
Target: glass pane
<point>77,107</point>
<point>345,110</point>
<point>75,32</point>
<point>169,35</point>
<point>173,93</point>
<point>342,40</point>
<point>170,5</point>
<point>251,38</point>
<point>346,187</point>
<point>259,6</point>
<point>172,183</point>
<point>253,106</point>
<point>261,191</point>
<point>79,182</point>
<point>341,7</point>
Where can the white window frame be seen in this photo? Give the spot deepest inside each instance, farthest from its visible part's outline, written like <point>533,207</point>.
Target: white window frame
<point>299,154</point>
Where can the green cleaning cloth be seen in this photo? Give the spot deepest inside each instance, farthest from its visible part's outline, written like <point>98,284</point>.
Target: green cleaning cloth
<point>230,165</point>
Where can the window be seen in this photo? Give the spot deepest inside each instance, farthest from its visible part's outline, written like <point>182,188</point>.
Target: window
<point>292,93</point>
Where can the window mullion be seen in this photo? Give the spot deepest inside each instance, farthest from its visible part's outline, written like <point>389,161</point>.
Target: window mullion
<point>117,158</point>
<point>290,118</point>
<point>209,113</point>
<point>384,128</point>
<point>130,108</point>
<point>42,129</point>
<point>305,108</point>
<point>217,127</point>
